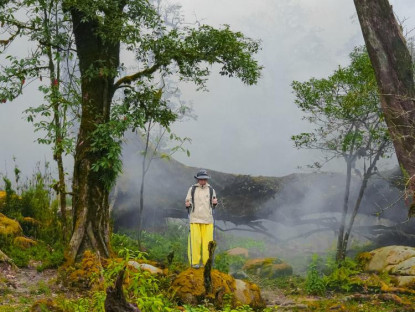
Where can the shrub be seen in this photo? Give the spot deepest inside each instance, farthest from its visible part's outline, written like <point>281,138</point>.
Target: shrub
<point>225,262</point>
<point>314,283</point>
<point>341,275</point>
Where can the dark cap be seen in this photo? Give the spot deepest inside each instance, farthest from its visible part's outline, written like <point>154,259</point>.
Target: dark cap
<point>202,175</point>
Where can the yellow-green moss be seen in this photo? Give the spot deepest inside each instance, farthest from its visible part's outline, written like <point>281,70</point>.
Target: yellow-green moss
<point>189,288</point>
<point>189,285</point>
<point>364,258</point>
<point>85,274</point>
<point>30,221</point>
<point>9,227</point>
<point>45,305</point>
<point>24,242</point>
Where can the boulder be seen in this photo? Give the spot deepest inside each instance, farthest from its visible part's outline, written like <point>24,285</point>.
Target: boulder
<point>189,288</point>
<point>268,267</point>
<point>398,261</point>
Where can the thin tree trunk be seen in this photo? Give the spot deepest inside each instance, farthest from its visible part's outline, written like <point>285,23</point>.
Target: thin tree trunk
<point>91,228</point>
<point>141,209</point>
<point>356,208</point>
<point>54,73</point>
<point>339,255</point>
<point>392,63</point>
<point>144,170</point>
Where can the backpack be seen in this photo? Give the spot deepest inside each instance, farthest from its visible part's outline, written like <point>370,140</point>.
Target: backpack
<point>193,196</point>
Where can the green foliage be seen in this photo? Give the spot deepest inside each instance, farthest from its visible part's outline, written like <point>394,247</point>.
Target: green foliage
<point>341,275</point>
<point>48,256</point>
<point>173,238</point>
<point>228,241</point>
<point>345,110</point>
<point>38,219</point>
<point>34,202</point>
<point>226,308</point>
<point>224,262</point>
<point>120,242</point>
<point>314,284</point>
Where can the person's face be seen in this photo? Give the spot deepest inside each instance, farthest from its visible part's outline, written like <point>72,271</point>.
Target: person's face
<point>202,181</point>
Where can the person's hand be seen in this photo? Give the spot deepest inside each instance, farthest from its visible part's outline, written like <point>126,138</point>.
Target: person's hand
<point>214,201</point>
<point>187,203</point>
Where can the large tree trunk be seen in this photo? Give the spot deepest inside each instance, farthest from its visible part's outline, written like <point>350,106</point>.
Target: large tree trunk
<point>392,63</point>
<point>90,195</point>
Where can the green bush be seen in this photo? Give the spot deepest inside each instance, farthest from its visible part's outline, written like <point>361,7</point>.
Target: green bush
<point>225,262</point>
<point>314,284</point>
<point>48,256</point>
<point>340,277</point>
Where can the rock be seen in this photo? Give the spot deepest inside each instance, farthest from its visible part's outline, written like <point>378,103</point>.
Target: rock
<point>398,261</point>
<point>189,288</point>
<point>238,251</point>
<point>146,267</point>
<point>9,227</point>
<point>268,267</point>
<point>239,275</point>
<point>247,293</point>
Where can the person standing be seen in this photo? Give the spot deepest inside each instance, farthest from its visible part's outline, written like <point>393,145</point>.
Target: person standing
<point>200,202</point>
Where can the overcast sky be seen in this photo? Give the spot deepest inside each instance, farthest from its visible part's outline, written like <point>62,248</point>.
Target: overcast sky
<point>240,129</point>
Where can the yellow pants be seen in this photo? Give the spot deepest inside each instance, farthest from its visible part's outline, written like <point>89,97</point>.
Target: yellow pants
<point>199,238</point>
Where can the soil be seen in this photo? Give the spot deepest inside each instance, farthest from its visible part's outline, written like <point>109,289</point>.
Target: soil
<point>24,286</point>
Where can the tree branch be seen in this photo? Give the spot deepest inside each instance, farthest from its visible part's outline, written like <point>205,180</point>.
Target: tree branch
<point>144,73</point>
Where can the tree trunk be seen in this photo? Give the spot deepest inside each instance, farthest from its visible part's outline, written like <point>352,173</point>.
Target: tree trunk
<point>339,252</point>
<point>392,63</point>
<point>54,73</point>
<point>140,210</point>
<point>90,195</point>
<point>363,186</point>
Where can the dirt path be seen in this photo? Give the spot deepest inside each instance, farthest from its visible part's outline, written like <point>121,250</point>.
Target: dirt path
<point>19,288</point>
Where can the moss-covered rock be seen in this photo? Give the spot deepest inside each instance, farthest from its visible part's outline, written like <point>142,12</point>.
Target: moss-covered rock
<point>268,267</point>
<point>9,227</point>
<point>189,289</point>
<point>397,261</point>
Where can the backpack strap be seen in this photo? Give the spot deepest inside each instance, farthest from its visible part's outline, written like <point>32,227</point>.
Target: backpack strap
<point>192,193</point>
<point>210,195</point>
